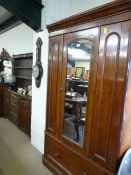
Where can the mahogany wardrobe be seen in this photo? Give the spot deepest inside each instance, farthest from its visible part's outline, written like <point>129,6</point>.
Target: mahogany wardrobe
<point>88,125</point>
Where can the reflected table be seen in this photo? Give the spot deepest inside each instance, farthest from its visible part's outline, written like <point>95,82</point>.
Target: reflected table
<point>77,104</point>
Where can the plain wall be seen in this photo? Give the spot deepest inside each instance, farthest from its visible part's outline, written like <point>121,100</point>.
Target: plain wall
<point>17,40</point>
<point>39,95</point>
<point>56,10</point>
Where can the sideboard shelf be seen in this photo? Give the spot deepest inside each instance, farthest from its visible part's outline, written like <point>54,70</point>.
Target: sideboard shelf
<point>28,78</point>
<point>22,68</point>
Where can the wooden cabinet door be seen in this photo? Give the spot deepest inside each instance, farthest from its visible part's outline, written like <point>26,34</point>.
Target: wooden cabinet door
<point>54,86</point>
<point>2,87</point>
<point>6,104</point>
<point>1,100</point>
<point>24,116</point>
<point>14,108</point>
<point>109,94</point>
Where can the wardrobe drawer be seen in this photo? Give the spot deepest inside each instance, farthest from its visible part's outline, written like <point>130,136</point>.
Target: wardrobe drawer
<point>57,153</point>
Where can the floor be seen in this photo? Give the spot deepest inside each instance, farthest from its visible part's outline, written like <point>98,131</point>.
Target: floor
<point>17,155</point>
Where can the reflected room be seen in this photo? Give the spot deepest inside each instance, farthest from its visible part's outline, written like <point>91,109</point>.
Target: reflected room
<point>77,81</point>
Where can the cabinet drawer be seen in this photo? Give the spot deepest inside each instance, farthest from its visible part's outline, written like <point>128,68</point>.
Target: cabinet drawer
<point>14,99</point>
<point>14,117</point>
<point>14,108</point>
<point>58,154</point>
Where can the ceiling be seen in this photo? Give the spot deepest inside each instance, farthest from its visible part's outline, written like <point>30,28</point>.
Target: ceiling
<point>4,15</point>
<point>7,20</point>
<point>12,13</point>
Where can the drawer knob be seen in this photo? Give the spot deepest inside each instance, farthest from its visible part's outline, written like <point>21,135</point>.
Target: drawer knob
<point>84,173</point>
<point>58,155</point>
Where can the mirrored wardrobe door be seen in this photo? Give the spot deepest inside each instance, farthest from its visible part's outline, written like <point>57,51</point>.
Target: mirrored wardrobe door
<point>78,60</point>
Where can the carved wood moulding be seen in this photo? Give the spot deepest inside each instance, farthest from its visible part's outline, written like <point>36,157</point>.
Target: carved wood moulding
<point>110,9</point>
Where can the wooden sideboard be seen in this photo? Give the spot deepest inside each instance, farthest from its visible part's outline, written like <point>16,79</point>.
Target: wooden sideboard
<point>17,108</point>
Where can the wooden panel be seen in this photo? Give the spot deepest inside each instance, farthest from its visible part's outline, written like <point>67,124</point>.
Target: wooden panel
<point>14,99</point>
<point>24,116</point>
<point>1,100</point>
<point>14,118</point>
<point>23,72</point>
<point>2,87</point>
<point>54,73</point>
<point>126,128</point>
<point>6,103</point>
<point>106,88</point>
<point>14,108</point>
<point>109,95</point>
<point>20,111</point>
<point>57,153</point>
<point>67,162</point>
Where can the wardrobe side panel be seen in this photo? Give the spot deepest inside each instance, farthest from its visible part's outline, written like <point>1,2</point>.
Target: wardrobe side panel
<point>54,76</point>
<point>109,95</point>
<point>126,127</point>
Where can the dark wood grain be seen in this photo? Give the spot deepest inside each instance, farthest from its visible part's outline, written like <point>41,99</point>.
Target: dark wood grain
<point>19,110</point>
<point>109,87</point>
<point>54,77</point>
<point>14,105</point>
<point>126,121</point>
<point>6,103</point>
<point>2,87</point>
<point>61,159</point>
<point>24,121</point>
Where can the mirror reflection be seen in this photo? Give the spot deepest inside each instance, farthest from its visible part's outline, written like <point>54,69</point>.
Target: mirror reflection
<point>77,80</point>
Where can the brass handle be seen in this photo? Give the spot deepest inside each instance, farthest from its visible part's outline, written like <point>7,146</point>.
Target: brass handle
<point>58,155</point>
<point>61,88</point>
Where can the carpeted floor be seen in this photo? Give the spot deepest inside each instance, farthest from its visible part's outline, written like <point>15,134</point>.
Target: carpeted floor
<point>17,155</point>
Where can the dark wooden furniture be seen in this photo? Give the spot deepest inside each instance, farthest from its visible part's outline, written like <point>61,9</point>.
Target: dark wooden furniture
<point>24,121</point>
<point>2,87</point>
<point>20,111</point>
<point>14,108</point>
<point>6,100</point>
<point>17,108</point>
<point>22,68</point>
<point>108,122</point>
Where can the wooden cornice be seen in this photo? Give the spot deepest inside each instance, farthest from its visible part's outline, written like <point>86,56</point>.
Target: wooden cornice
<point>110,9</point>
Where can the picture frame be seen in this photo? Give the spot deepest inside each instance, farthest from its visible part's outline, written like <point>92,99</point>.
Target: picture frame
<point>80,71</point>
